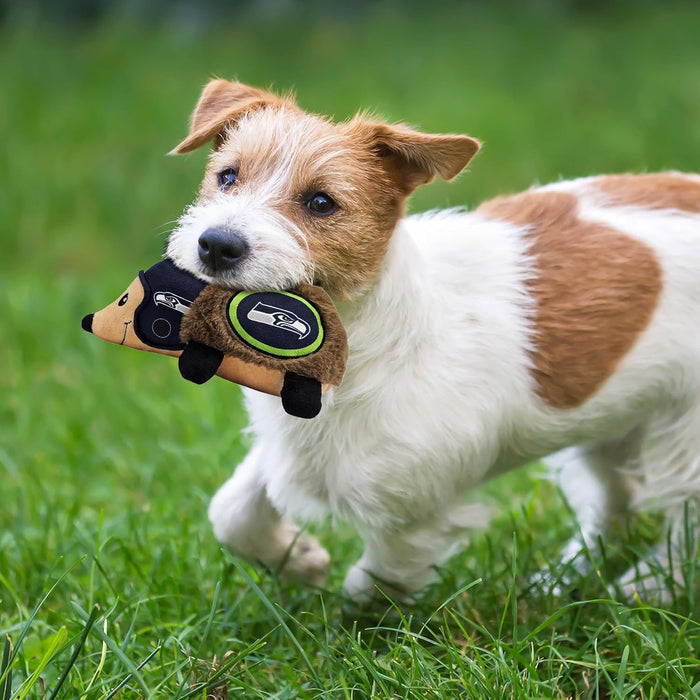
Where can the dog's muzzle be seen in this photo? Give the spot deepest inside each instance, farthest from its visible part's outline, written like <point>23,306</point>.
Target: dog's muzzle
<point>220,249</point>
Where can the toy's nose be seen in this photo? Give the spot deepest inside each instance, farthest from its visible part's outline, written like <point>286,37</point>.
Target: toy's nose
<point>86,323</point>
<point>221,249</point>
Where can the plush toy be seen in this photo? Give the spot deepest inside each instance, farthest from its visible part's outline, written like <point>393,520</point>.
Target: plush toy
<point>290,344</point>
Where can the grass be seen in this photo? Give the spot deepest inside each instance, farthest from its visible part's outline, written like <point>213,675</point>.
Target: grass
<point>111,584</point>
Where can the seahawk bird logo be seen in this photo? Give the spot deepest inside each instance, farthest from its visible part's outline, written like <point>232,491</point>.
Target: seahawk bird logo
<point>279,318</point>
<point>172,301</point>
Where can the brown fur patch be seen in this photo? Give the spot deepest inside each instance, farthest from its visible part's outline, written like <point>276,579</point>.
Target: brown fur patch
<point>595,292</point>
<point>662,191</point>
<point>223,102</point>
<point>412,158</point>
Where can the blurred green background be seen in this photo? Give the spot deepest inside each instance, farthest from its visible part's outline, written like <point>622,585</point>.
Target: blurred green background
<point>106,453</point>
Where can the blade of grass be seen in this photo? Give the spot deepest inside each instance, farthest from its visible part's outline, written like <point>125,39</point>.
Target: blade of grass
<point>100,665</point>
<point>6,685</point>
<point>622,670</point>
<point>138,668</point>
<point>76,651</point>
<point>56,643</point>
<point>93,567</point>
<point>31,618</point>
<point>276,614</point>
<point>212,615</point>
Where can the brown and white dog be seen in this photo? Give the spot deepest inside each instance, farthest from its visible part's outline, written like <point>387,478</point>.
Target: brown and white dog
<point>561,320</point>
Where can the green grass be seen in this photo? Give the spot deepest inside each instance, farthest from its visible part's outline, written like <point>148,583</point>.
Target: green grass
<point>109,573</point>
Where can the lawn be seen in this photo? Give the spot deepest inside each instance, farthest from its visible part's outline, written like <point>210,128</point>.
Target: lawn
<point>111,583</point>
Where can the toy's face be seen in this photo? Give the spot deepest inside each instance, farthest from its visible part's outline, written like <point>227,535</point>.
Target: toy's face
<point>115,323</point>
<point>147,316</point>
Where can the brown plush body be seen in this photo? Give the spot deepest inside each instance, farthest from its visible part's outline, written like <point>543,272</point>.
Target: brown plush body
<point>207,322</point>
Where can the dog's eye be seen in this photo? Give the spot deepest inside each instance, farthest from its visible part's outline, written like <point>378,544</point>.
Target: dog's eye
<point>227,178</point>
<point>123,300</point>
<point>321,204</point>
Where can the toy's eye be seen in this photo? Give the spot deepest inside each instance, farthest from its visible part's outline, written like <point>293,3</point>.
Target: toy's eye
<point>321,204</point>
<point>124,299</point>
<point>227,178</point>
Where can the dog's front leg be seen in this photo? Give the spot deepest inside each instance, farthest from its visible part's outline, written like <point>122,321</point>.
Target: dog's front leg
<point>246,522</point>
<point>401,561</point>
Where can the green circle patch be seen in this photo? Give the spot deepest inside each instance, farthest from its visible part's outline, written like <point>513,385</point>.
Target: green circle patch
<point>280,324</point>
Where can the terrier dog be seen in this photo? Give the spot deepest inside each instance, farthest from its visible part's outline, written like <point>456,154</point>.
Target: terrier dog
<point>560,320</point>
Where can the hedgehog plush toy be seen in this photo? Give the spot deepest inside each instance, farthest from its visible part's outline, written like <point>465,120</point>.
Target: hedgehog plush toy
<point>290,344</point>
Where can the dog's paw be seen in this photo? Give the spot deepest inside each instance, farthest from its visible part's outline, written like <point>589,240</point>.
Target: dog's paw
<point>544,582</point>
<point>359,586</point>
<point>571,565</point>
<point>306,561</point>
<point>646,584</point>
<point>364,589</point>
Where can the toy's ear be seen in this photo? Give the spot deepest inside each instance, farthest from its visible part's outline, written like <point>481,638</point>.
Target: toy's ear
<point>413,158</point>
<point>223,102</point>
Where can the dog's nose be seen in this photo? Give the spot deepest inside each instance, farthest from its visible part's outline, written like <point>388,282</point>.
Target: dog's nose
<point>220,249</point>
<point>86,323</point>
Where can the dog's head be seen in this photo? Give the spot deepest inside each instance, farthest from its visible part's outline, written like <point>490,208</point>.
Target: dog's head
<point>291,197</point>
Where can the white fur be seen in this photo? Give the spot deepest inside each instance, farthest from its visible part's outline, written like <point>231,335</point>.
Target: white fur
<point>438,395</point>
<point>278,258</point>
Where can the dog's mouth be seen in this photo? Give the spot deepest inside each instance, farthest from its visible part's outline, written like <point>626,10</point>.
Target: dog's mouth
<point>243,280</point>
<point>221,278</point>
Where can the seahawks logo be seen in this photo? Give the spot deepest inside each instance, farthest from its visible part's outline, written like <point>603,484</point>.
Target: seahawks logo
<point>172,301</point>
<point>279,318</point>
<point>281,324</point>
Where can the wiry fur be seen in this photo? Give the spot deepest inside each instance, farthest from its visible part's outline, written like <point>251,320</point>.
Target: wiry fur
<point>280,261</point>
<point>441,390</point>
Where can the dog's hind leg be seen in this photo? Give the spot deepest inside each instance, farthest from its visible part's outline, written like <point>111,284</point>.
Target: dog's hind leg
<point>669,471</point>
<point>596,484</point>
<point>246,522</point>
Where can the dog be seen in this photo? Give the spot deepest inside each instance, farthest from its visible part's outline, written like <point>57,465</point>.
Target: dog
<point>560,321</point>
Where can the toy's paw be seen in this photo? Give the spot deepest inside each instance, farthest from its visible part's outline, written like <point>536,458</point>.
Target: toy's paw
<point>199,363</point>
<point>307,562</point>
<point>301,396</point>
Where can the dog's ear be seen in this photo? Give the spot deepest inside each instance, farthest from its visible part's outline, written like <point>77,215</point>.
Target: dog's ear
<point>412,158</point>
<point>221,103</point>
